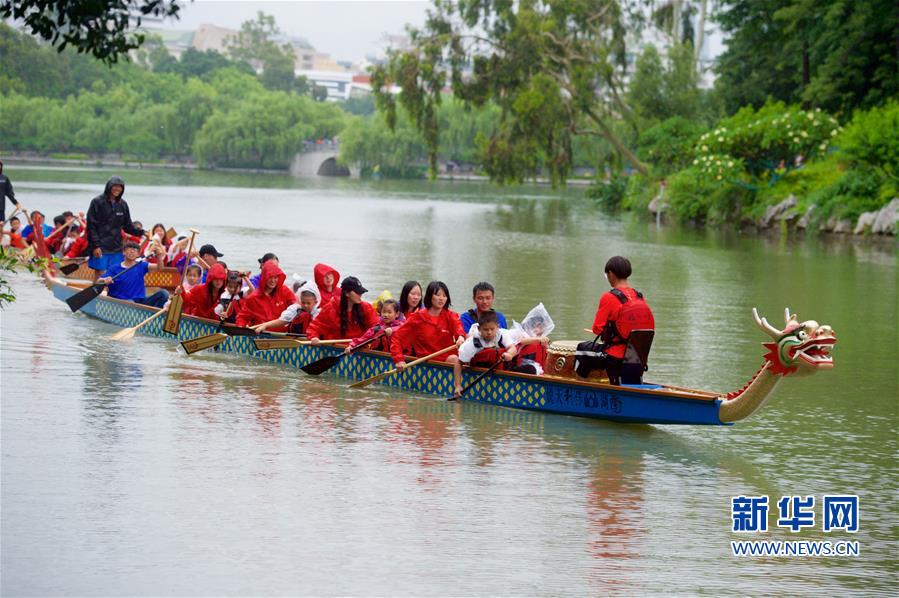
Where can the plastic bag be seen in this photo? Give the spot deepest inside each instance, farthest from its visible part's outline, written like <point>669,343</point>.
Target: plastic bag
<point>537,322</point>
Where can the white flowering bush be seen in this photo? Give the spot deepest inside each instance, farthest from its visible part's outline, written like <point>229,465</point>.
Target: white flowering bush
<point>766,142</point>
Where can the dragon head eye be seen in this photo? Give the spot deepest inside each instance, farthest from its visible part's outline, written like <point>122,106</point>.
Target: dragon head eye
<point>801,335</point>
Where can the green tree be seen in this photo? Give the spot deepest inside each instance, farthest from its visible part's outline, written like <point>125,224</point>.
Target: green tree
<point>103,28</point>
<point>831,54</point>
<point>255,45</point>
<point>550,65</point>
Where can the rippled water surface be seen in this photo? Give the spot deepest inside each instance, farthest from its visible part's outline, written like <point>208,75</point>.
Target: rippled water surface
<point>131,469</point>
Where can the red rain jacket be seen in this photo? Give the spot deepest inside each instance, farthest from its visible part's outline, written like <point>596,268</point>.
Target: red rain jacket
<point>201,300</point>
<point>260,307</point>
<point>78,248</point>
<point>326,324</point>
<point>319,272</point>
<point>426,334</point>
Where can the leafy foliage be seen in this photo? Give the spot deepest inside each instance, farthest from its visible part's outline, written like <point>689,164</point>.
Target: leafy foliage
<point>549,65</point>
<point>669,145</point>
<point>103,28</point>
<point>831,54</point>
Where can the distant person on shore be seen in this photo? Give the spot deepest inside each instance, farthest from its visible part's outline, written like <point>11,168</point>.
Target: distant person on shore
<point>483,294</point>
<point>107,216</point>
<point>6,190</point>
<point>130,285</point>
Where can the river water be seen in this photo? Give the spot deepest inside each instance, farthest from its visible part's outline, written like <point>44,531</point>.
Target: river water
<point>131,469</point>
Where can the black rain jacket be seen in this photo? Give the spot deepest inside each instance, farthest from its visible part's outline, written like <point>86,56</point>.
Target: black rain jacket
<point>107,218</point>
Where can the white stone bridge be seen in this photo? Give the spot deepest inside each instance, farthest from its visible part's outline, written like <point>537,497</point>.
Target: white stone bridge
<point>320,160</point>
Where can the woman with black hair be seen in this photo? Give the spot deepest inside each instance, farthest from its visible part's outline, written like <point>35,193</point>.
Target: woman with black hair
<point>410,298</point>
<point>431,329</point>
<point>347,316</point>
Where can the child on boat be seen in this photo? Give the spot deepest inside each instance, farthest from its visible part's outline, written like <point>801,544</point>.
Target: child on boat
<point>391,320</point>
<point>298,316</point>
<point>483,295</point>
<point>235,291</point>
<point>429,330</point>
<point>75,244</point>
<point>269,299</point>
<point>191,277</point>
<point>14,233</point>
<point>346,316</point>
<point>202,299</point>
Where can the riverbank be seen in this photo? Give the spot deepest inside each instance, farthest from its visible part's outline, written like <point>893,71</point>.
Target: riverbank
<point>119,161</point>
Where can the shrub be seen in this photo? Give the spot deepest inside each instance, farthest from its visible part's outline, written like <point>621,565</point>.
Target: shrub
<point>669,145</point>
<point>609,194</point>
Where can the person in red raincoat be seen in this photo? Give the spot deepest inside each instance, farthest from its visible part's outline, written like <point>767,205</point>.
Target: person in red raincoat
<point>269,299</point>
<point>431,329</point>
<point>201,300</point>
<point>346,316</point>
<point>326,279</point>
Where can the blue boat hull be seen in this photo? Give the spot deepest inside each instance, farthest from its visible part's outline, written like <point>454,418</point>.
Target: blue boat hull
<point>645,404</point>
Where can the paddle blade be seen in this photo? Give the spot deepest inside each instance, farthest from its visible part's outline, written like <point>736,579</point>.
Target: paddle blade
<point>321,365</point>
<point>268,344</point>
<point>204,342</point>
<point>82,298</point>
<point>232,330</point>
<point>123,335</point>
<point>69,268</point>
<point>173,318</point>
<point>372,380</point>
<point>171,233</point>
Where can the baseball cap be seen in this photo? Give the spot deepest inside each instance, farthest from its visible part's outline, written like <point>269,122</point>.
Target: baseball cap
<point>210,250</point>
<point>351,283</point>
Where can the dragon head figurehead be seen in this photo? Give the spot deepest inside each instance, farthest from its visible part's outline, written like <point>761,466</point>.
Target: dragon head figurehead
<point>801,348</point>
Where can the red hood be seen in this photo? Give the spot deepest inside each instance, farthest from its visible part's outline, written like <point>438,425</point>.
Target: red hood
<point>269,270</point>
<point>217,272</point>
<point>320,271</point>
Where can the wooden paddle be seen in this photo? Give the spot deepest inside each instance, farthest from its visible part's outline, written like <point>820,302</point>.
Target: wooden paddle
<point>269,344</point>
<point>128,333</point>
<point>476,380</point>
<point>176,308</point>
<point>325,363</point>
<point>171,233</point>
<point>379,377</point>
<point>204,342</point>
<point>82,298</point>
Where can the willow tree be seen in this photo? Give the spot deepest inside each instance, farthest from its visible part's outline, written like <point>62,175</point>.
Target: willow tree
<point>552,66</point>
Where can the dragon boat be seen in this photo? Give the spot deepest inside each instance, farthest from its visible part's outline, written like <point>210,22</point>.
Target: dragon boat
<point>799,349</point>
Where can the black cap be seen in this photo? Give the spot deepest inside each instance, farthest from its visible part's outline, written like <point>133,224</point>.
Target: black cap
<point>210,250</point>
<point>351,283</point>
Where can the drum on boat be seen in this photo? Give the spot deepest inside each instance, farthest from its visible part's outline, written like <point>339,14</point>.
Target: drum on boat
<point>560,361</point>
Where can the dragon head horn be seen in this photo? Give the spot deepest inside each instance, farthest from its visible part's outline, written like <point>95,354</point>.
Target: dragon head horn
<point>789,319</point>
<point>767,328</point>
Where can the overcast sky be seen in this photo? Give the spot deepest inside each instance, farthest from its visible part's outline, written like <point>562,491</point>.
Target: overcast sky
<point>345,30</point>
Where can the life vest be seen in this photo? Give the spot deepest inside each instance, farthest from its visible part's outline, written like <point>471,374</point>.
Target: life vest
<point>633,315</point>
<point>300,323</point>
<point>486,356</point>
<point>382,344</point>
<point>535,352</point>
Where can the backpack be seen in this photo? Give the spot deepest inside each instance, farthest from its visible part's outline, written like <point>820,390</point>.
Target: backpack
<point>633,315</point>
